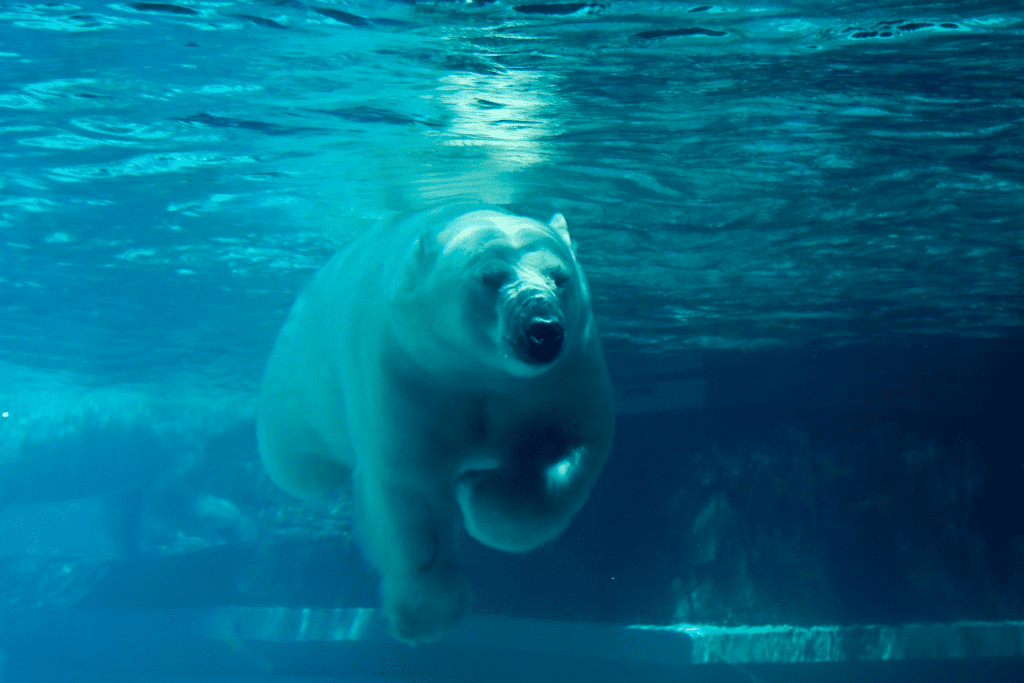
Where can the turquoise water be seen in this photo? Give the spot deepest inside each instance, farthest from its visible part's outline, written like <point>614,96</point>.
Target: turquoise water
<point>173,173</point>
<point>755,177</point>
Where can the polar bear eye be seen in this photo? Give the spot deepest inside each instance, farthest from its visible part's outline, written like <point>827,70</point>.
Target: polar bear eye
<point>561,278</point>
<point>495,279</point>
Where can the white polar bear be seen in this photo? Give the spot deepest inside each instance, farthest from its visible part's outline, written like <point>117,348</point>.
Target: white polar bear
<point>450,362</point>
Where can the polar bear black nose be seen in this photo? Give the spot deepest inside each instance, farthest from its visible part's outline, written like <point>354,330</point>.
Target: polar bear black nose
<point>544,340</point>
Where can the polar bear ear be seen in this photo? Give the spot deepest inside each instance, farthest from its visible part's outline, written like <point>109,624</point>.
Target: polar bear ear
<point>420,257</point>
<point>562,228</point>
<point>421,250</point>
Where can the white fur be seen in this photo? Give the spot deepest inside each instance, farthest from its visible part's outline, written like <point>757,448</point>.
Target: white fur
<point>402,364</point>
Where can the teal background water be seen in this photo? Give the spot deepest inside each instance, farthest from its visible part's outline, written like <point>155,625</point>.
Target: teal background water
<point>748,183</point>
<point>172,176</point>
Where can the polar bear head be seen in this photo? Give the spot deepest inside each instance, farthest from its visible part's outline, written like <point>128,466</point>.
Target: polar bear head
<point>486,288</point>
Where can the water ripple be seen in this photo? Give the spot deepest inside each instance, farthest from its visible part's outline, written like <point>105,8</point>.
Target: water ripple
<point>69,141</point>
<point>146,164</point>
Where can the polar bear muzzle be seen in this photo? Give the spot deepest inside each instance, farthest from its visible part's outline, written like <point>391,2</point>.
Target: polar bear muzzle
<point>543,340</point>
<point>535,329</point>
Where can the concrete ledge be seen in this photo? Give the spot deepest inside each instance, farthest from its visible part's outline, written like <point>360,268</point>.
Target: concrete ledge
<point>791,644</point>
<point>278,641</point>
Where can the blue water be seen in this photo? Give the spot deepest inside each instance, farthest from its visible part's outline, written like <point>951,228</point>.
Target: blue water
<point>748,177</point>
<point>171,177</point>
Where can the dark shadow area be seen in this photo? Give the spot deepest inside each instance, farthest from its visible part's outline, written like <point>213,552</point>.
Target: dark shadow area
<point>859,485</point>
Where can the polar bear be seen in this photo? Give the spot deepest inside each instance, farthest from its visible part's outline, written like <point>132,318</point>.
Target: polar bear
<point>450,363</point>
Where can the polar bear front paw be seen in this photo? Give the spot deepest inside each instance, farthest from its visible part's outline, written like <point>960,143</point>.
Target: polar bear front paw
<point>424,608</point>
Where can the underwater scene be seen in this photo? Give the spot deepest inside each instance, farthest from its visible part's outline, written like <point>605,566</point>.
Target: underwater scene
<point>664,341</point>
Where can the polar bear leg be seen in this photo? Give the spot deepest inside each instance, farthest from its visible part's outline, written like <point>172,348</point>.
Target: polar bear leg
<point>296,458</point>
<point>413,544</point>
